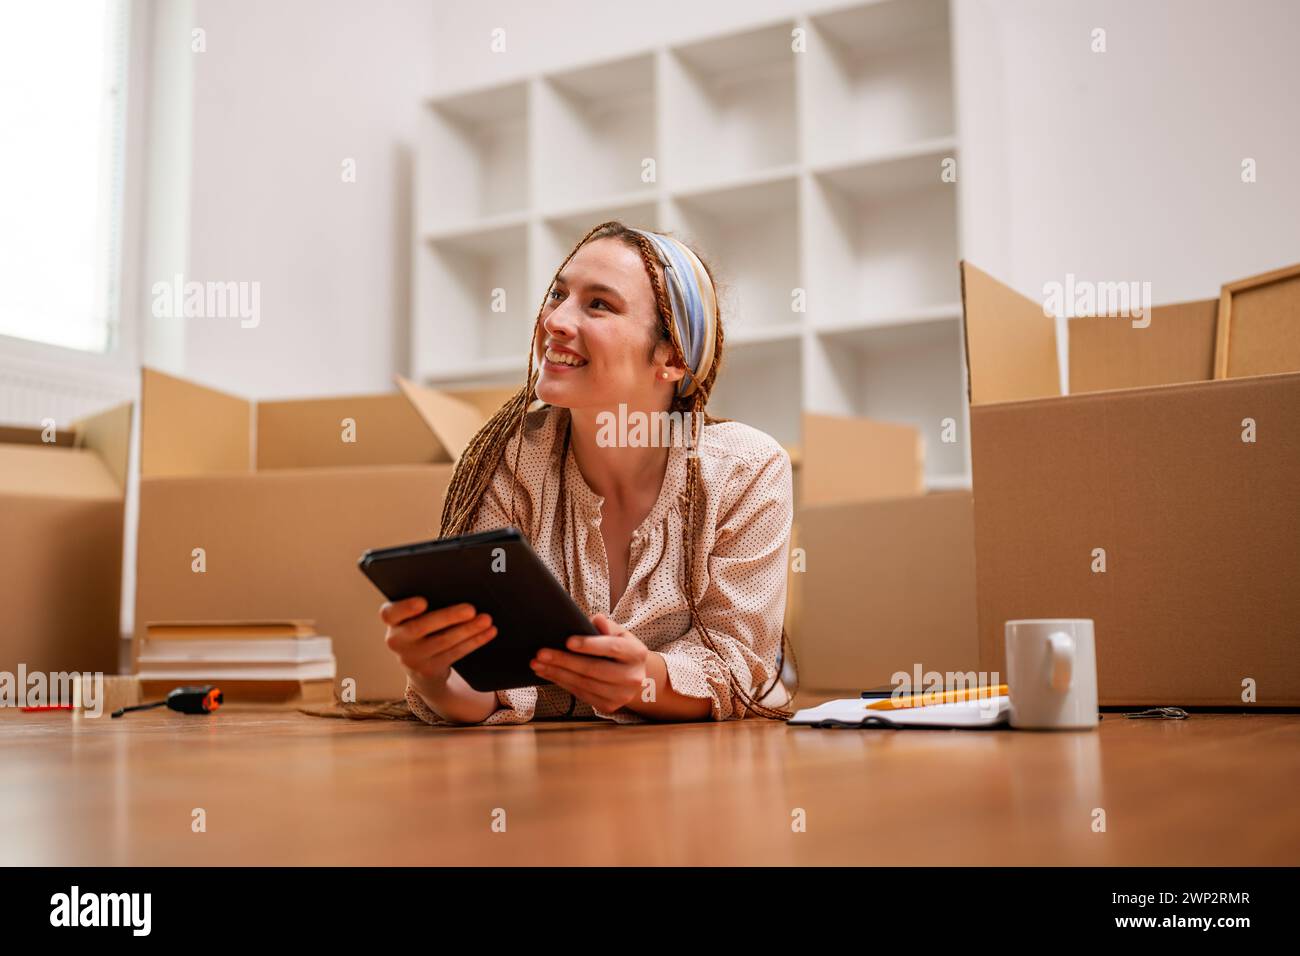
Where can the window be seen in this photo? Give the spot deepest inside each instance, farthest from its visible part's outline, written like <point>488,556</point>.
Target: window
<point>62,137</point>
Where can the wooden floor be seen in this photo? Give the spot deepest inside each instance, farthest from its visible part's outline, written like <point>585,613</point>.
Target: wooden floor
<point>286,788</point>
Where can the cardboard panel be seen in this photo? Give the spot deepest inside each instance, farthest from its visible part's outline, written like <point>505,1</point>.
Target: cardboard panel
<point>890,584</point>
<point>1200,532</point>
<point>454,422</point>
<point>1262,315</point>
<point>1010,343</point>
<point>857,459</point>
<point>23,435</point>
<point>60,581</point>
<point>108,434</point>
<point>284,545</point>
<point>310,433</point>
<point>1177,346</point>
<point>186,429</point>
<point>487,400</point>
<point>47,471</point>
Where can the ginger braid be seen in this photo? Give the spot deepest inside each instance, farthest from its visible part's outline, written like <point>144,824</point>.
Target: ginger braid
<point>478,463</point>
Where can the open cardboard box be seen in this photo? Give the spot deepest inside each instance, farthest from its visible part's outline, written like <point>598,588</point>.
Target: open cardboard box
<point>890,579</point>
<point>61,507</point>
<point>282,507</point>
<point>1147,471</point>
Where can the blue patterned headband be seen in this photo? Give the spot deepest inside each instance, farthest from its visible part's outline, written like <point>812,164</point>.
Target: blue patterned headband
<point>695,307</point>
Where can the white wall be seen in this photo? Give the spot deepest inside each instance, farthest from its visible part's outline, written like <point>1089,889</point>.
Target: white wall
<point>1127,164</point>
<point>283,94</point>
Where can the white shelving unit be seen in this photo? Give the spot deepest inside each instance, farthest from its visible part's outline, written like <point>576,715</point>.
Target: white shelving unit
<point>810,179</point>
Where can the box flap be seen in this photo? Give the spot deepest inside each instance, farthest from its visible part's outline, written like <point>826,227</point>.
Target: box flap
<point>452,421</point>
<point>187,429</point>
<point>848,459</point>
<point>24,435</point>
<point>348,431</point>
<point>48,471</point>
<point>488,401</point>
<point>1176,346</point>
<point>108,434</point>
<point>1010,343</point>
<point>1259,320</point>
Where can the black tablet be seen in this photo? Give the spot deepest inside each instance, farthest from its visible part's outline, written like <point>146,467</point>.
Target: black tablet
<point>500,574</point>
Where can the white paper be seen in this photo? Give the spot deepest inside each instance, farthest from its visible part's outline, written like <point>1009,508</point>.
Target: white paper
<point>981,712</point>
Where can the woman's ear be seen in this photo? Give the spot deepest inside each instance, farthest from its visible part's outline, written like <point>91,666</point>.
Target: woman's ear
<point>666,365</point>
<point>668,372</point>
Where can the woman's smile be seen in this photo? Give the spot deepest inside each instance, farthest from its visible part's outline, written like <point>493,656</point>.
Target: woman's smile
<point>561,359</point>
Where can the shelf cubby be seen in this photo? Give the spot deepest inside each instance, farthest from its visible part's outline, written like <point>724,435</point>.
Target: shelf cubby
<point>460,275</point>
<point>910,373</point>
<point>883,238</point>
<point>595,128</point>
<point>878,76</point>
<point>473,158</point>
<point>558,234</point>
<point>756,385</point>
<point>750,235</point>
<point>730,107</point>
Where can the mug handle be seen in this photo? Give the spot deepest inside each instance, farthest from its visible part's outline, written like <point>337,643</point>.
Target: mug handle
<point>1060,654</point>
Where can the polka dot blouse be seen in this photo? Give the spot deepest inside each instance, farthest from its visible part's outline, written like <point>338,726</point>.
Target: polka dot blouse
<point>740,560</point>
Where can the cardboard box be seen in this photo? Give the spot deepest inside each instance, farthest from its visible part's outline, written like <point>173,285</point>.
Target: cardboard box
<point>282,507</point>
<point>486,399</point>
<point>890,579</point>
<point>1138,505</point>
<point>61,507</point>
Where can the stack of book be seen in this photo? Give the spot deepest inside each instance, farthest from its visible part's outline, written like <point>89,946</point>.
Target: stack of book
<point>260,661</point>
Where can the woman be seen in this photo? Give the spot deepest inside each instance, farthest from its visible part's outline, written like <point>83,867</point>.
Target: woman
<point>631,319</point>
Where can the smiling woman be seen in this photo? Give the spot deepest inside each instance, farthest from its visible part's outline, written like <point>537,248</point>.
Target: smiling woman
<point>678,551</point>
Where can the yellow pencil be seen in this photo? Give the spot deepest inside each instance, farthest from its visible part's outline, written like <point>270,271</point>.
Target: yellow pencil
<point>937,697</point>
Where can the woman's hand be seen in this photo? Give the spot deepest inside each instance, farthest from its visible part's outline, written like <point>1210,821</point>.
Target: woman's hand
<point>428,644</point>
<point>606,685</point>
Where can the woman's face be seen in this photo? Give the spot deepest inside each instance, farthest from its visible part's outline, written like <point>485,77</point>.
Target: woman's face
<point>599,343</point>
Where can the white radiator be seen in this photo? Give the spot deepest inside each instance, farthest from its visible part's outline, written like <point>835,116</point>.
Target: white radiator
<point>31,392</point>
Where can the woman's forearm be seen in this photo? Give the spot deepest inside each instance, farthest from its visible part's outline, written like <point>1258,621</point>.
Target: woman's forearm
<point>666,703</point>
<point>455,700</point>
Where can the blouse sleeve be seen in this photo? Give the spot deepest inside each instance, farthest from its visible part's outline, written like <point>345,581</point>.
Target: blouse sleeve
<point>744,604</point>
<point>514,706</point>
<point>517,705</point>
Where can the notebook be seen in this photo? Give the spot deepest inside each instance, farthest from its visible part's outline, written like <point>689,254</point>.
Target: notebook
<point>854,712</point>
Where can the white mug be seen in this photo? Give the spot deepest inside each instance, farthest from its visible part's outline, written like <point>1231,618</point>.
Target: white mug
<point>1052,674</point>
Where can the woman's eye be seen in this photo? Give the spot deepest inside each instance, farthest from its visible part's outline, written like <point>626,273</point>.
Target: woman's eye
<point>555,295</point>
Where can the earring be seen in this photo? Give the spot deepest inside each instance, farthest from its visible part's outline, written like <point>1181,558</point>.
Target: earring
<point>663,374</point>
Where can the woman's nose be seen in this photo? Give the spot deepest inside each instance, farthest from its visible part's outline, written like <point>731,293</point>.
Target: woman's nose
<point>559,322</point>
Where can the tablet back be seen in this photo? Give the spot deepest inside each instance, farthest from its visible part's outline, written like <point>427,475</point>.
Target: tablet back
<point>500,574</point>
